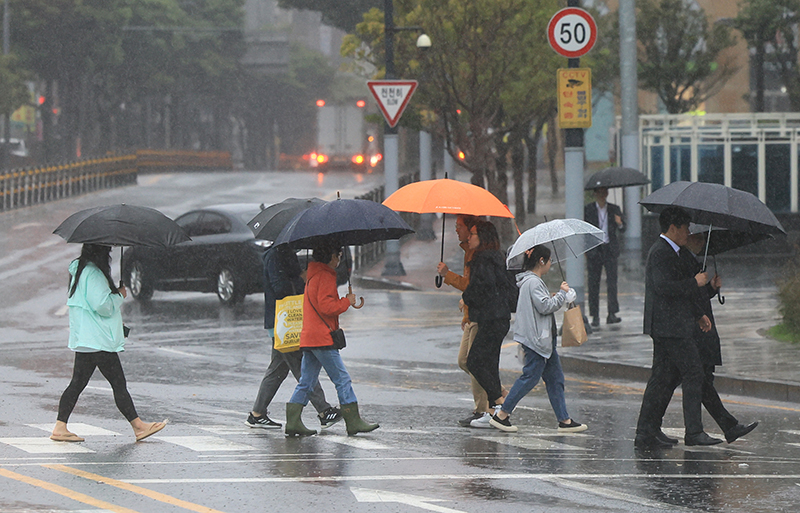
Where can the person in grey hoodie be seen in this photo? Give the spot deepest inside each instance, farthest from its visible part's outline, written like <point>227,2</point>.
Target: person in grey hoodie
<point>535,329</point>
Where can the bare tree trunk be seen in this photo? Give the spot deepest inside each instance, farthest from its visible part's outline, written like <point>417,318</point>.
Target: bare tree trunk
<point>552,152</point>
<point>517,168</point>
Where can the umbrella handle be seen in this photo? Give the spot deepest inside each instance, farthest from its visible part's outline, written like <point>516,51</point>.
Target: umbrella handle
<point>439,280</point>
<point>721,299</point>
<point>361,304</point>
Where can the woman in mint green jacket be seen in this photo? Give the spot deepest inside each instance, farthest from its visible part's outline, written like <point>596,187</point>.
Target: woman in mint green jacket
<point>96,337</point>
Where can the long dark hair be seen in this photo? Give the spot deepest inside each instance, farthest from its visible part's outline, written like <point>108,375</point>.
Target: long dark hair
<point>487,234</point>
<point>100,256</point>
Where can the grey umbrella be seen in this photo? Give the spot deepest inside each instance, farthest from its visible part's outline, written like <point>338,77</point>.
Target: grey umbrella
<point>611,177</point>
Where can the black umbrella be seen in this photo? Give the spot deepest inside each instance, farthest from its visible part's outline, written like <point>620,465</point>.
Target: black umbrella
<point>611,177</point>
<point>349,222</point>
<point>721,241</point>
<point>717,206</point>
<point>346,222</point>
<point>268,223</point>
<point>121,225</point>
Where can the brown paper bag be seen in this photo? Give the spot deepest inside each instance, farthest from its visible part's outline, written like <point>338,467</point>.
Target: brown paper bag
<point>573,331</point>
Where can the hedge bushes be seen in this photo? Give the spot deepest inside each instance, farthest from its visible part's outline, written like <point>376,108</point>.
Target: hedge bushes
<point>789,297</point>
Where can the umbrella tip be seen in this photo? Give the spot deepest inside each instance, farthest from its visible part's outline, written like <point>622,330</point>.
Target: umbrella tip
<point>338,195</point>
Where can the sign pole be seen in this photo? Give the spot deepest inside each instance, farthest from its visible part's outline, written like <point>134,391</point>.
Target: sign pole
<point>392,266</point>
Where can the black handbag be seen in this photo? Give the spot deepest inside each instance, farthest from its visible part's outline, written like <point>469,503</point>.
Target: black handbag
<point>337,335</point>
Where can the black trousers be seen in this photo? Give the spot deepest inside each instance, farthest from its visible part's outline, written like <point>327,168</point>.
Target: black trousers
<point>483,360</point>
<point>82,371</point>
<point>675,360</point>
<point>599,258</point>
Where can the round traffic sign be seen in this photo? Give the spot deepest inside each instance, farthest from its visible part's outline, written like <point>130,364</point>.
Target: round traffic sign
<point>572,32</point>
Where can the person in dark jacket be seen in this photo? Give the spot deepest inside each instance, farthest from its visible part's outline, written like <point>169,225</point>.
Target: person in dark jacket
<point>608,217</point>
<point>283,276</point>
<point>489,308</point>
<point>671,312</point>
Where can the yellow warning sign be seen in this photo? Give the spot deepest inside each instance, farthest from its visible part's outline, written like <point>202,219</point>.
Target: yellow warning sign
<point>575,98</point>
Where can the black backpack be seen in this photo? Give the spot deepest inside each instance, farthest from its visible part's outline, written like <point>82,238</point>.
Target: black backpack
<point>507,287</point>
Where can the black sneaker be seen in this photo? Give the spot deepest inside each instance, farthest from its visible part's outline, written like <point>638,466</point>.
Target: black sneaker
<point>330,417</point>
<point>263,422</point>
<point>503,425</point>
<point>466,422</point>
<point>572,427</point>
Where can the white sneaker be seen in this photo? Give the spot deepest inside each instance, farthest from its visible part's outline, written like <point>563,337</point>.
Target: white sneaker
<point>483,422</point>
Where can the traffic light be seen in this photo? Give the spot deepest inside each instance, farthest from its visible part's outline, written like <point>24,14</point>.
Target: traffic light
<point>361,104</point>
<point>320,103</point>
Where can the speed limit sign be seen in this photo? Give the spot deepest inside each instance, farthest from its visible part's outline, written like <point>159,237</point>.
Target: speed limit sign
<point>572,32</point>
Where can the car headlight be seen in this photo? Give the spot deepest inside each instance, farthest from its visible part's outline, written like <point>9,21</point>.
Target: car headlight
<point>262,243</point>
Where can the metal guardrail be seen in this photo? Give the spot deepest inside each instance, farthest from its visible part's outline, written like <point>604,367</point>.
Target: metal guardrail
<point>31,186</point>
<point>368,254</point>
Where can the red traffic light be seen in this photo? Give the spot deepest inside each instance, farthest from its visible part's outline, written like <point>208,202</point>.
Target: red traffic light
<point>361,104</point>
<point>320,103</point>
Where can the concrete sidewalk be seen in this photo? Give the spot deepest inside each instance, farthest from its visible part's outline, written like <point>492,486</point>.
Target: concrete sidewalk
<point>754,365</point>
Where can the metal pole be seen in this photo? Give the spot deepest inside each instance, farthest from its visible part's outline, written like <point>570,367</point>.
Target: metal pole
<point>573,187</point>
<point>393,266</point>
<point>629,99</point>
<point>6,115</point>
<point>425,231</point>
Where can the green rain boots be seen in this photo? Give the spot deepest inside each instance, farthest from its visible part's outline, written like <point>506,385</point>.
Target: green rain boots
<point>294,424</point>
<point>355,424</point>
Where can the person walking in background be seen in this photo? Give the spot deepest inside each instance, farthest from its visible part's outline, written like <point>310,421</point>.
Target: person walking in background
<point>464,224</point>
<point>535,328</point>
<point>708,345</point>
<point>671,312</point>
<point>96,336</point>
<point>484,296</point>
<point>283,277</point>
<point>607,217</point>
<point>321,309</point>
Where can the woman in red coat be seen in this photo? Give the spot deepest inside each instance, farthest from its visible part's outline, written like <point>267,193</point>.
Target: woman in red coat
<point>321,308</point>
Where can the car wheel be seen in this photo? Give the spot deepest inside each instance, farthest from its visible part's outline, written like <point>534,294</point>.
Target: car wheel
<point>141,290</point>
<point>229,288</point>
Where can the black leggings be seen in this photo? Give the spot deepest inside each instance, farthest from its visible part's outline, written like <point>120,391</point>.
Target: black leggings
<point>111,368</point>
<point>483,360</point>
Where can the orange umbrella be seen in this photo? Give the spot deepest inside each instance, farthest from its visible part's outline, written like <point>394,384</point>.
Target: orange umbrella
<point>448,197</point>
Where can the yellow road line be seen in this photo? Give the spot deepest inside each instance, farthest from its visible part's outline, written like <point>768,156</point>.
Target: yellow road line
<point>66,492</point>
<point>161,497</point>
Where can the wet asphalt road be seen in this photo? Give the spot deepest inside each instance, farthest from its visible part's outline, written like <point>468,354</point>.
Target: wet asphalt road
<point>199,364</point>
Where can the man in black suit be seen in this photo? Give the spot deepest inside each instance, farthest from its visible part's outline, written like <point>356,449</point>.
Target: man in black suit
<point>607,217</point>
<point>671,312</point>
<point>708,346</point>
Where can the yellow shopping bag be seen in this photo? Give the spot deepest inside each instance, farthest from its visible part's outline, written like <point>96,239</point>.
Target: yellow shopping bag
<point>288,323</point>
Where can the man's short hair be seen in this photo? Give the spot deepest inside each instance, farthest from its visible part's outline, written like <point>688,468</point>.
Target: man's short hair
<point>470,220</point>
<point>325,251</point>
<point>673,216</point>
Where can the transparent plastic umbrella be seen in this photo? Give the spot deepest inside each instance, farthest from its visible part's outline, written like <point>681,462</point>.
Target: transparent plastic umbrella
<point>567,237</point>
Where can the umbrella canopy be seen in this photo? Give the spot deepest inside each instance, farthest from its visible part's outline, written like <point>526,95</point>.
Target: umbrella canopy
<point>716,205</point>
<point>346,221</point>
<point>611,177</point>
<point>723,240</point>
<point>268,223</point>
<point>446,196</point>
<point>567,237</point>
<point>121,225</point>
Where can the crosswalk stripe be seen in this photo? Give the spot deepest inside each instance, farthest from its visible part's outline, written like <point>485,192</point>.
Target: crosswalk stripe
<point>528,442</point>
<point>205,443</point>
<point>43,445</point>
<point>79,428</point>
<point>358,443</point>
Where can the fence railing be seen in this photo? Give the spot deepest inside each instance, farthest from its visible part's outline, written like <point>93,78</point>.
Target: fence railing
<point>368,254</point>
<point>34,185</point>
<point>31,186</point>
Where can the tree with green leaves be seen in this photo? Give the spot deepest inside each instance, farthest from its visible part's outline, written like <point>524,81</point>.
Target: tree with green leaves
<point>772,24</point>
<point>13,89</point>
<point>682,59</point>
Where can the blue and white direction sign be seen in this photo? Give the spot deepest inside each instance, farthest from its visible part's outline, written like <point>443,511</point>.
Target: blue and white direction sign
<point>392,97</point>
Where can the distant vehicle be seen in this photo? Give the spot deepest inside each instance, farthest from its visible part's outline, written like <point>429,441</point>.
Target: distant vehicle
<point>223,257</point>
<point>16,147</point>
<point>342,138</point>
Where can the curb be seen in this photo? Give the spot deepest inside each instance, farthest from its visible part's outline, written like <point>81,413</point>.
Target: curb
<point>760,388</point>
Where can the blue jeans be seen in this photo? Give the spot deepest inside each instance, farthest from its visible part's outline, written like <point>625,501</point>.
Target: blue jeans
<point>550,371</point>
<point>315,360</point>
